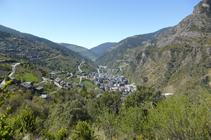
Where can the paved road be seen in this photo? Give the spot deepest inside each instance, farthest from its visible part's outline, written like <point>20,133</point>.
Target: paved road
<point>53,57</point>
<point>79,67</point>
<point>13,71</point>
<point>167,94</point>
<point>71,74</point>
<point>44,80</point>
<point>57,85</point>
<point>98,70</point>
<point>80,71</point>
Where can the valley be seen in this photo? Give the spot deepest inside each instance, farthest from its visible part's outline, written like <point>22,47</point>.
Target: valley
<point>147,86</point>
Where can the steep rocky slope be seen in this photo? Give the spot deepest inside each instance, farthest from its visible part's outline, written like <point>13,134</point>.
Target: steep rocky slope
<point>180,58</point>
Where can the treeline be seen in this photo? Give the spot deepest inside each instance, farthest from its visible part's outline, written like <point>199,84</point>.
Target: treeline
<point>76,114</point>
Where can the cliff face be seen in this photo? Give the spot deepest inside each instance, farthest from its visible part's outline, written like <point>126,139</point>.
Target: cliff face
<point>179,58</point>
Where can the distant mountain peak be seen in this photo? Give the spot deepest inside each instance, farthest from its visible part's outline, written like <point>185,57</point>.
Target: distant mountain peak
<point>203,7</point>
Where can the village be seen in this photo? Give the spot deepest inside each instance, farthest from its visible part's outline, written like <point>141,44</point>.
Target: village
<point>104,82</point>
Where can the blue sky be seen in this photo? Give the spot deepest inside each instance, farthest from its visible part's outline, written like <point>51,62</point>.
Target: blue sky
<point>89,23</point>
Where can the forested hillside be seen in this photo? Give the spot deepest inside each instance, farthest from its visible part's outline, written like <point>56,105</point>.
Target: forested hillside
<point>122,49</point>
<point>35,38</point>
<point>51,58</point>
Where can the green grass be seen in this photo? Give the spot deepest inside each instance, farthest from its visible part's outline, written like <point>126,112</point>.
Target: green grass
<point>27,77</point>
<point>77,80</point>
<point>88,84</point>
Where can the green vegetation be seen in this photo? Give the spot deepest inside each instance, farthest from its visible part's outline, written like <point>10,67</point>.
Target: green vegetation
<point>88,83</point>
<point>49,55</point>
<point>121,49</point>
<point>83,132</point>
<point>27,77</point>
<point>27,72</point>
<point>88,66</point>
<point>144,114</point>
<point>5,67</point>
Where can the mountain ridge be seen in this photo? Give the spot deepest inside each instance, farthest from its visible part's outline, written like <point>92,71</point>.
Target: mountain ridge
<point>35,38</point>
<point>102,47</point>
<point>125,46</point>
<point>84,52</point>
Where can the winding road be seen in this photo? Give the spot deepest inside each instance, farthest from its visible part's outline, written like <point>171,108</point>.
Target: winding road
<point>13,71</point>
<point>71,74</point>
<point>44,80</point>
<point>79,67</point>
<point>53,57</point>
<point>81,72</point>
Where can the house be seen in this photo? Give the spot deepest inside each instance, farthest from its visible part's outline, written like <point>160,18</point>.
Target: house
<point>27,85</point>
<point>121,85</point>
<point>99,95</point>
<point>123,89</point>
<point>66,88</point>
<point>109,70</point>
<point>107,88</point>
<point>39,90</point>
<point>112,82</point>
<point>46,97</point>
<point>106,81</point>
<point>69,83</point>
<point>81,86</point>
<point>52,75</point>
<point>63,83</point>
<point>114,88</point>
<point>125,81</point>
<point>58,80</point>
<point>102,88</point>
<point>97,83</point>
<point>100,79</point>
